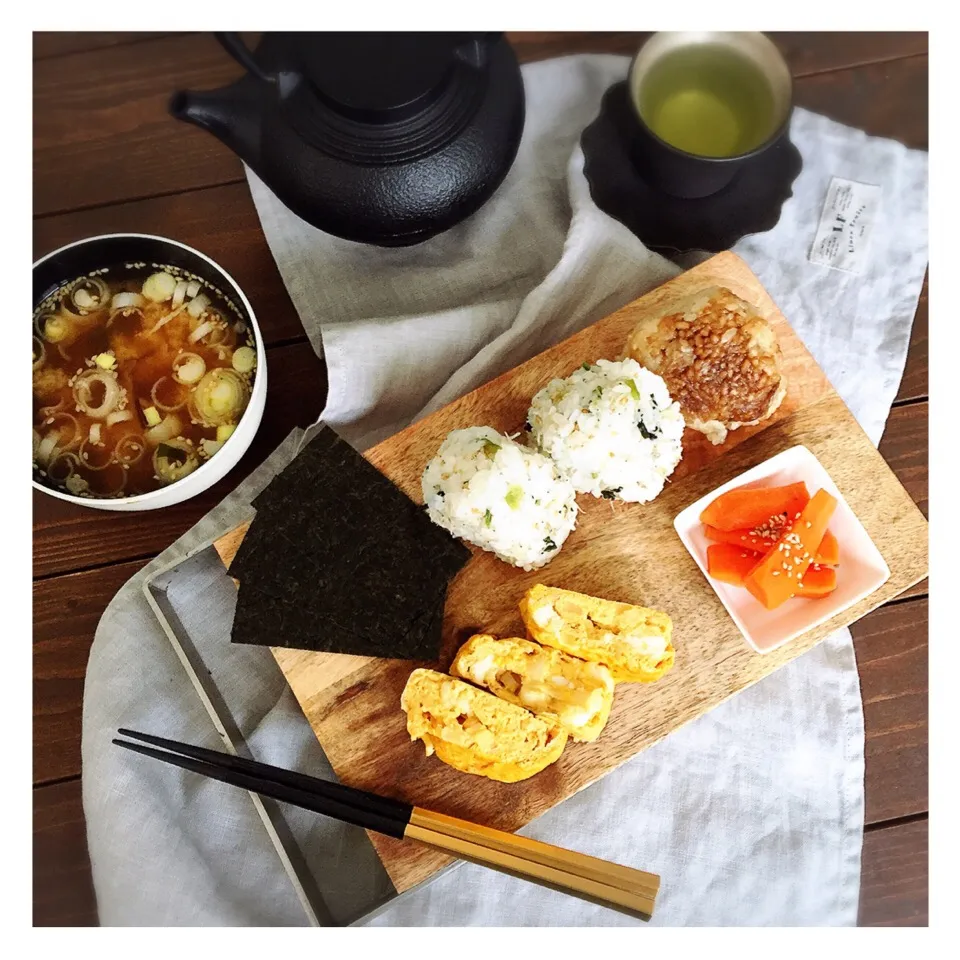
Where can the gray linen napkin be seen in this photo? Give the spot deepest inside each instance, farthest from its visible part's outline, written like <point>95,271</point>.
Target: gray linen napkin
<point>753,814</point>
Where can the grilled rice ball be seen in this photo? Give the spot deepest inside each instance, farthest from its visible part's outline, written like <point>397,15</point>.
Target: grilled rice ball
<point>549,682</point>
<point>476,732</point>
<point>720,360</point>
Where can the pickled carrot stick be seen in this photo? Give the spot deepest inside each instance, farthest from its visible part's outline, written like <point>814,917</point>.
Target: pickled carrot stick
<point>779,575</point>
<point>828,552</point>
<point>754,506</point>
<point>730,563</point>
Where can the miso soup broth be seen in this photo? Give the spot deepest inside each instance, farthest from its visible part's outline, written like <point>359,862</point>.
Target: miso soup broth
<point>141,373</point>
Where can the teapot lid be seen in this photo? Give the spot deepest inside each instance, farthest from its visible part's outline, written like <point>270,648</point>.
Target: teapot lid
<point>377,77</point>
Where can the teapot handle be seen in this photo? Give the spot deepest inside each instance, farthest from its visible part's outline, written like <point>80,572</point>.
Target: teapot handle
<point>234,45</point>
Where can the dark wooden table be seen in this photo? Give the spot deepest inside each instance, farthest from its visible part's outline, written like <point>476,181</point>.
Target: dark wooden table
<point>108,158</point>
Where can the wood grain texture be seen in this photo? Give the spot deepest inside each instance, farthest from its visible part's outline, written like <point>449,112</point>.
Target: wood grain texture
<point>885,99</point>
<point>914,384</point>
<point>893,888</point>
<point>220,221</point>
<point>806,53</point>
<point>67,537</point>
<point>893,880</point>
<point>891,647</point>
<point>63,894</point>
<point>70,537</point>
<point>904,447</point>
<point>119,154</point>
<point>920,589</point>
<point>61,44</point>
<point>66,611</point>
<point>626,552</point>
<point>893,686</point>
<point>128,147</point>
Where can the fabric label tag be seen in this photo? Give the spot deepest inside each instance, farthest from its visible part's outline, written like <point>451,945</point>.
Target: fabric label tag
<point>846,223</point>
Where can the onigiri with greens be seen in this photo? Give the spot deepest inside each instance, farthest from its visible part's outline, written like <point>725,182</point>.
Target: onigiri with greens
<point>611,428</point>
<point>501,496</point>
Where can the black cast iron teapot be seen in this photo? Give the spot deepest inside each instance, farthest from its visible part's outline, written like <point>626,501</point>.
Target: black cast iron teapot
<point>375,137</point>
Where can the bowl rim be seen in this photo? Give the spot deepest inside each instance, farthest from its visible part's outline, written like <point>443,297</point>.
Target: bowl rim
<point>153,495</point>
<point>777,133</point>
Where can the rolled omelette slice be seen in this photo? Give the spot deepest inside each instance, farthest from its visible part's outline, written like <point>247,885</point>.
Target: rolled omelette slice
<point>476,732</point>
<point>549,682</point>
<point>634,642</point>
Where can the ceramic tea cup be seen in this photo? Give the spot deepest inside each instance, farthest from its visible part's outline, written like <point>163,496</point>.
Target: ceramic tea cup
<point>704,103</point>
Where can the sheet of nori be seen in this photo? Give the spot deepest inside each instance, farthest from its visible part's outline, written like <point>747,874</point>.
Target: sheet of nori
<point>281,568</point>
<point>263,620</point>
<point>246,556</point>
<point>339,559</point>
<point>292,507</point>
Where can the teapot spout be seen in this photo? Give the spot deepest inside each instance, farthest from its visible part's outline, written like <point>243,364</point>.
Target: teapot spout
<point>227,114</point>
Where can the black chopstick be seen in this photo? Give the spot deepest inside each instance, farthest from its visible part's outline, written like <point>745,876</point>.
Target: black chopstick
<point>358,807</point>
<point>622,888</point>
<point>290,778</point>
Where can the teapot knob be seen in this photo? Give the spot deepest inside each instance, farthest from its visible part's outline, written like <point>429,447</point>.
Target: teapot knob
<point>477,50</point>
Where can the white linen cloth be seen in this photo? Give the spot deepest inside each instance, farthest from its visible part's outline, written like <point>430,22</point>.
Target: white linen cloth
<point>753,814</point>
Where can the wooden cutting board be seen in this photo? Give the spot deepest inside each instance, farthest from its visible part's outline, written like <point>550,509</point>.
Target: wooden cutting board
<point>627,552</point>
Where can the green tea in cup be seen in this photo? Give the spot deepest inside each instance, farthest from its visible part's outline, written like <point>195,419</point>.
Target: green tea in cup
<point>704,102</point>
<point>708,99</point>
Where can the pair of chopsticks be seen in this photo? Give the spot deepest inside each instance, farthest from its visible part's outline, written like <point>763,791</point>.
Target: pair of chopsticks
<point>610,884</point>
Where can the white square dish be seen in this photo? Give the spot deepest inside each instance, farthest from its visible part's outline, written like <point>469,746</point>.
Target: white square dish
<point>861,570</point>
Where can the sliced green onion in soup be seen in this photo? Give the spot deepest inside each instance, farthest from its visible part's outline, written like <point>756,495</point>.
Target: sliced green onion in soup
<point>160,287</point>
<point>174,459</point>
<point>245,359</point>
<point>220,397</point>
<point>189,368</point>
<point>56,329</point>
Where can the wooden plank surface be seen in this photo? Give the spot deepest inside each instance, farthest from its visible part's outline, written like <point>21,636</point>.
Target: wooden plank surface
<point>48,44</point>
<point>129,147</point>
<point>63,894</point>
<point>893,889</point>
<point>64,869</point>
<point>883,100</point>
<point>66,611</point>
<point>914,384</point>
<point>807,53</point>
<point>887,99</point>
<point>220,221</point>
<point>895,702</point>
<point>904,447</point>
<point>893,881</point>
<point>67,537</point>
<point>891,649</point>
<point>71,537</point>
<point>352,708</point>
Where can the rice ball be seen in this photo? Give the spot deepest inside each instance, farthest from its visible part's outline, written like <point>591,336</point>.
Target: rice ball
<point>501,496</point>
<point>610,427</point>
